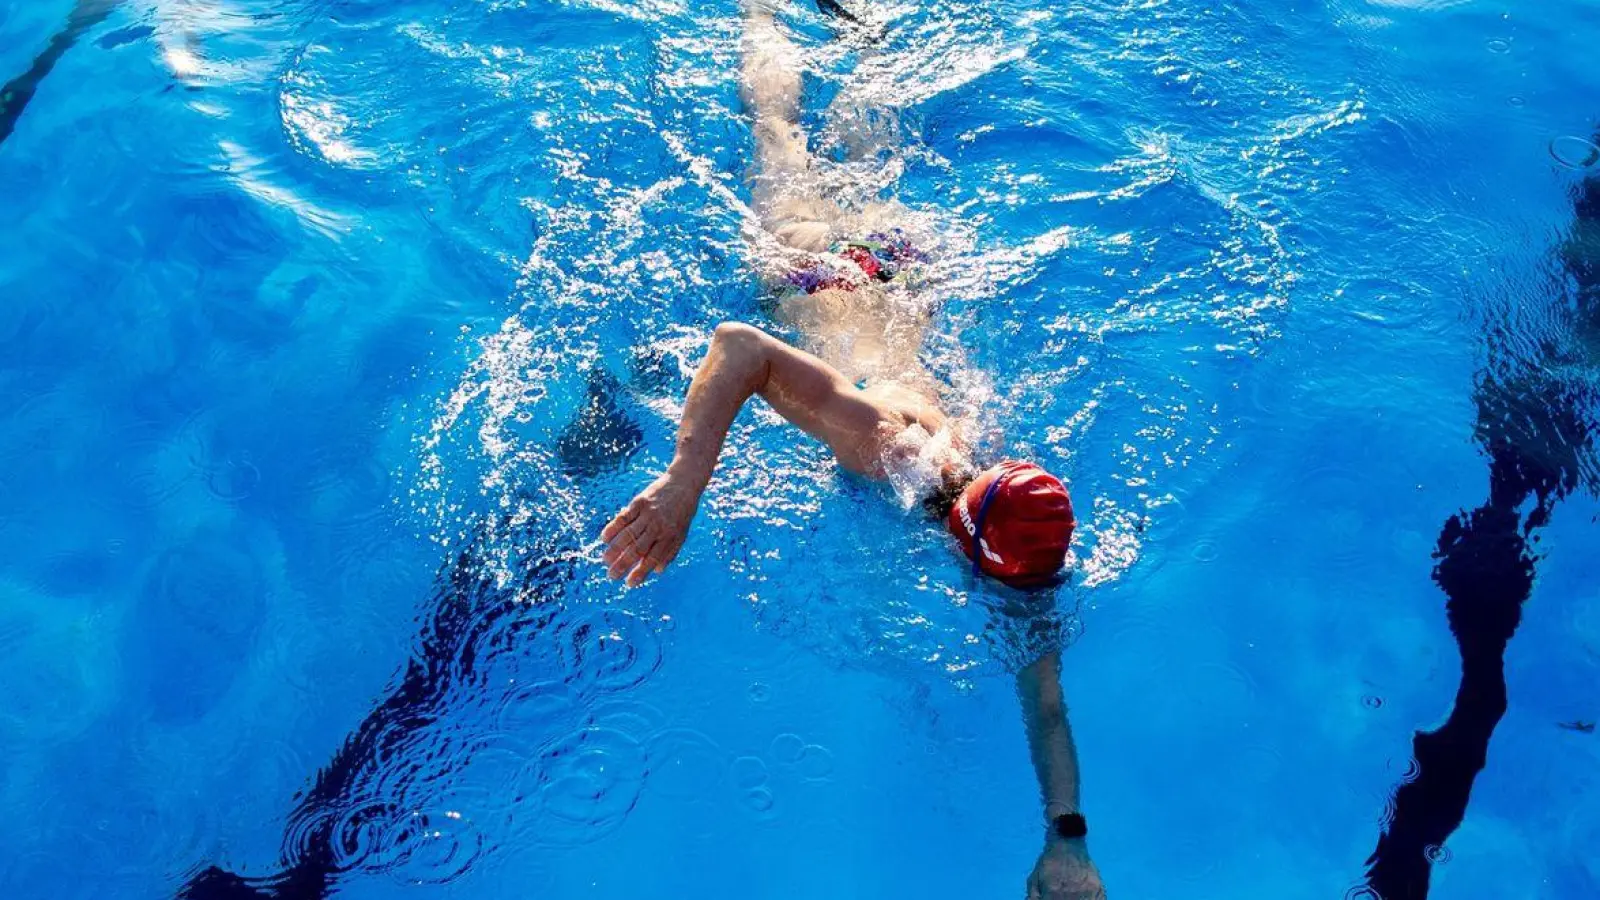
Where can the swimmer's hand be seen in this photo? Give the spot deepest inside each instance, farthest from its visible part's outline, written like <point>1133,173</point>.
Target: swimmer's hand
<point>1065,872</point>
<point>650,530</point>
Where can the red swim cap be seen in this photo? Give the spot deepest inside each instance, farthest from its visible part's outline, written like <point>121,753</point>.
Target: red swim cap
<point>1021,517</point>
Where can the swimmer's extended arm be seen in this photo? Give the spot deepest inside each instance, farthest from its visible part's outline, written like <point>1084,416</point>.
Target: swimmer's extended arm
<point>1064,868</point>
<point>1055,756</point>
<point>743,361</point>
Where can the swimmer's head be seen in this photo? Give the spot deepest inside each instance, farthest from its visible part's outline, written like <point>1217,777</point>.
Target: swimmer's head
<point>1014,521</point>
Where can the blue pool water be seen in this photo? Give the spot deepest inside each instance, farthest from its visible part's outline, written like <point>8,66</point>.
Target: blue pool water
<point>334,331</point>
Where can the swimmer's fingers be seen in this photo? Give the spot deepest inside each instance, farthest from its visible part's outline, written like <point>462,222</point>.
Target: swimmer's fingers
<point>666,552</point>
<point>661,555</point>
<point>622,564</point>
<point>641,531</point>
<point>629,547</point>
<point>625,559</point>
<point>621,520</point>
<point>642,561</point>
<point>624,540</point>
<point>650,560</point>
<point>639,573</point>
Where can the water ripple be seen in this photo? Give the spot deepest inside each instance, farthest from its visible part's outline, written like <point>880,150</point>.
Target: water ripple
<point>433,847</point>
<point>685,764</point>
<point>587,783</point>
<point>749,772</point>
<point>359,837</point>
<point>607,650</point>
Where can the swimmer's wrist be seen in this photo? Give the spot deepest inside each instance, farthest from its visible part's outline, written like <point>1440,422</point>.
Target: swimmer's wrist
<point>1064,824</point>
<point>690,472</point>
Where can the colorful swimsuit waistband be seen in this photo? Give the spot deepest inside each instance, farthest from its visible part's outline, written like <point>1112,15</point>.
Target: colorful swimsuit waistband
<point>881,256</point>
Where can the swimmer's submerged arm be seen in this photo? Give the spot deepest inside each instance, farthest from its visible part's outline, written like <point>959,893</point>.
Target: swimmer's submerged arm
<point>1055,756</point>
<point>742,362</point>
<point>1064,870</point>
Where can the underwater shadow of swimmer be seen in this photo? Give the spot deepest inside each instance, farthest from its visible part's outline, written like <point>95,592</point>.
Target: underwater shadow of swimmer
<point>17,93</point>
<point>601,438</point>
<point>1537,433</point>
<point>468,602</point>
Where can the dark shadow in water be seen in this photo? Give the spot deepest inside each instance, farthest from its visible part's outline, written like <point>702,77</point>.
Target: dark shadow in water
<point>18,91</point>
<point>601,438</point>
<point>470,616</point>
<point>467,604</point>
<point>1537,431</point>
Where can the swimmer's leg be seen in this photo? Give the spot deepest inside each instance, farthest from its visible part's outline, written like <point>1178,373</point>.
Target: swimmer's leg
<point>786,192</point>
<point>769,85</point>
<point>18,91</point>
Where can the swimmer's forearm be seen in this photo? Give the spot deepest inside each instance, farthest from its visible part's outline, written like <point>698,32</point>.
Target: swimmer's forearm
<point>1044,712</point>
<point>744,362</point>
<point>735,368</point>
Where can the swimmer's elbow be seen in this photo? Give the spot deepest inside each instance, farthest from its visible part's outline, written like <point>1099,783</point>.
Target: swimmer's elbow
<point>746,348</point>
<point>733,335</point>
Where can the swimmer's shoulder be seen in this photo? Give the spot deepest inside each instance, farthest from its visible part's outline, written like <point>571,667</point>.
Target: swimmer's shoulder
<point>908,405</point>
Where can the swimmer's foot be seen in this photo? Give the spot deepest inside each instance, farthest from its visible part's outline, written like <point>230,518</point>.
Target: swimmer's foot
<point>837,10</point>
<point>858,27</point>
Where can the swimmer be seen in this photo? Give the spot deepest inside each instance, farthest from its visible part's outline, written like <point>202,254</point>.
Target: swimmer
<point>845,279</point>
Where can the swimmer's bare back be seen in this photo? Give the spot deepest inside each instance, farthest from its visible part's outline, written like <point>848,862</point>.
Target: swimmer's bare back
<point>860,426</point>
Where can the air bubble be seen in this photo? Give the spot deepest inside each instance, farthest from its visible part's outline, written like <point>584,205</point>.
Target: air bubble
<point>233,480</point>
<point>1574,152</point>
<point>759,800</point>
<point>786,749</point>
<point>815,762</point>
<point>749,772</point>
